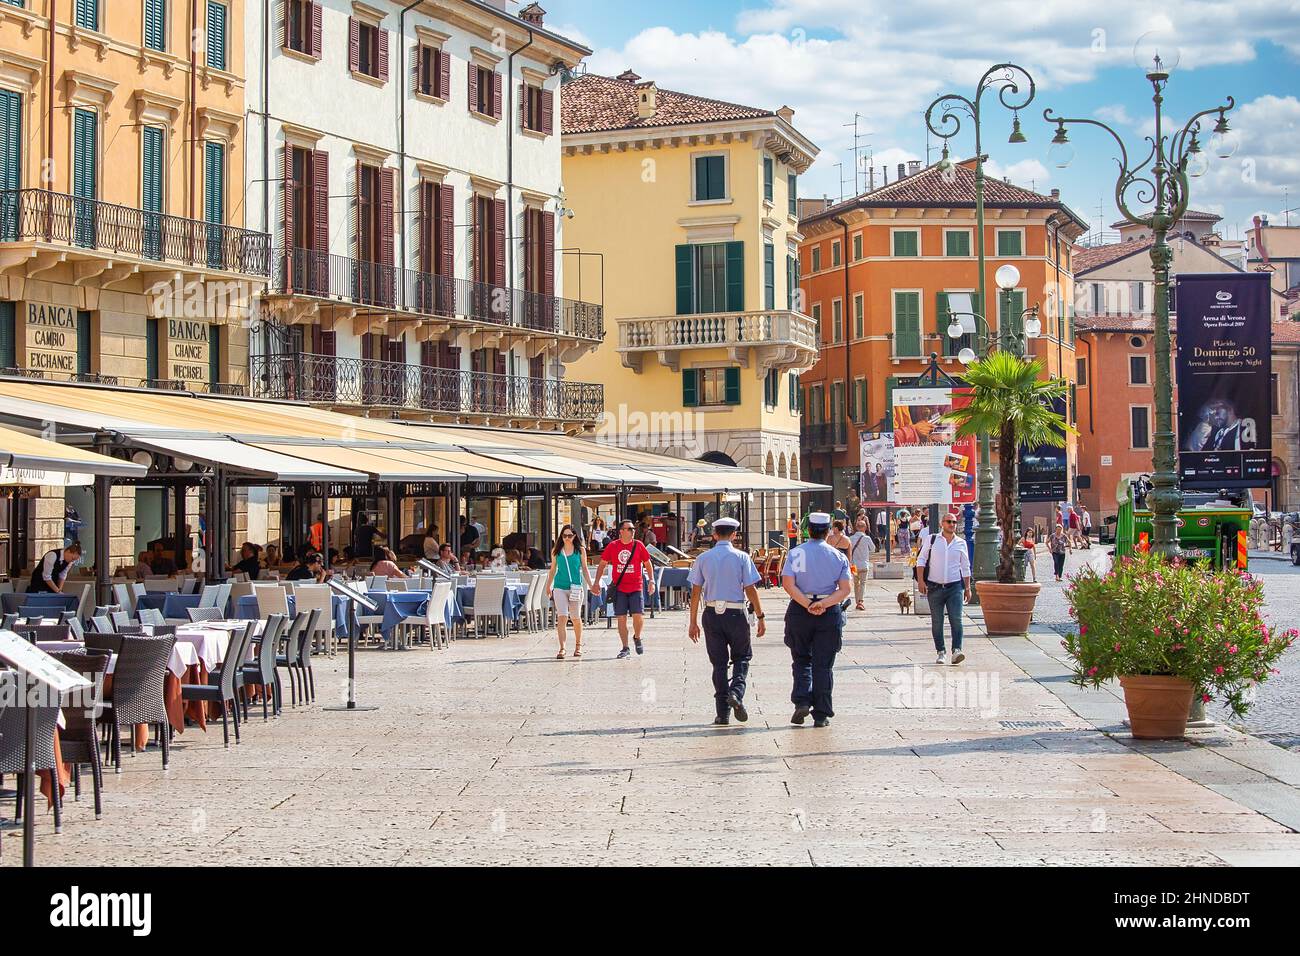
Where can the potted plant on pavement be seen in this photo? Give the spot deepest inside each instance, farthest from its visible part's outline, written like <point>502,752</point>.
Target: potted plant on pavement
<point>1010,402</point>
<point>1168,631</point>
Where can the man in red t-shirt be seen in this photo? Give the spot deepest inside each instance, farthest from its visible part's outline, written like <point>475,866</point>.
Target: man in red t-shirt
<point>629,564</point>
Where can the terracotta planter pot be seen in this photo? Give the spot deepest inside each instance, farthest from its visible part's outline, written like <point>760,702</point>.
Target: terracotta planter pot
<point>1157,706</point>
<point>1008,608</point>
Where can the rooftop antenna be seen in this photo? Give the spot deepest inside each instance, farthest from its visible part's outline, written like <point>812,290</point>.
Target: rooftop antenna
<point>857,150</point>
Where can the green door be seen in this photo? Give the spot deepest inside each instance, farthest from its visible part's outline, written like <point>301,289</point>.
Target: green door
<point>11,112</point>
<point>151,193</point>
<point>8,335</point>
<point>85,167</point>
<point>83,344</point>
<point>214,200</point>
<point>214,357</point>
<point>151,351</point>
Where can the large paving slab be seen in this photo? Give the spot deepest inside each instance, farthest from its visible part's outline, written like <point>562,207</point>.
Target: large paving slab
<point>492,752</point>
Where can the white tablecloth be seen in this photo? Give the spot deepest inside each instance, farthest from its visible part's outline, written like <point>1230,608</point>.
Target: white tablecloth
<point>184,655</point>
<point>209,643</point>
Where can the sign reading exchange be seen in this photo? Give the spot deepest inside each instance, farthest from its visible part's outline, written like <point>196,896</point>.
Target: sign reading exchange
<point>1224,363</point>
<point>50,340</point>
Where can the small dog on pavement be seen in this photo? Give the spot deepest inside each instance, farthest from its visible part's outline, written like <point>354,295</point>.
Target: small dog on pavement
<point>904,602</point>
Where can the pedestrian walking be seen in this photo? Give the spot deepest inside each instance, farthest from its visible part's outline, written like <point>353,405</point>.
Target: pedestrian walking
<point>943,577</point>
<point>629,562</point>
<point>1057,545</point>
<point>816,577</point>
<point>567,585</point>
<point>1076,540</point>
<point>862,548</point>
<point>721,579</point>
<point>1030,544</point>
<point>882,527</point>
<point>1087,529</point>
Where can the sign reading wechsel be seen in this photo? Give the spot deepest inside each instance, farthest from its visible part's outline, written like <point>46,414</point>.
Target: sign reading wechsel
<point>1224,395</point>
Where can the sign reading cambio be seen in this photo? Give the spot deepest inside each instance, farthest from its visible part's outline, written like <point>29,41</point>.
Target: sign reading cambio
<point>187,350</point>
<point>50,339</point>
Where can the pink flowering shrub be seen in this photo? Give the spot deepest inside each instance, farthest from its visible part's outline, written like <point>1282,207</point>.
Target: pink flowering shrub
<point>1151,617</point>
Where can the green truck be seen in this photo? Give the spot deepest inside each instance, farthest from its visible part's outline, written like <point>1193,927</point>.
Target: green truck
<point>1211,527</point>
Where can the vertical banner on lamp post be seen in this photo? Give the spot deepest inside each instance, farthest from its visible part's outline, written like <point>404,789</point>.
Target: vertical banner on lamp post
<point>1223,375</point>
<point>932,466</point>
<point>877,480</point>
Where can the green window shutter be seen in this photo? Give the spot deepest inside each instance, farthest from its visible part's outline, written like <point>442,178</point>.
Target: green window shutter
<point>941,313</point>
<point>84,173</point>
<point>769,276</point>
<point>906,244</point>
<point>794,392</point>
<point>87,14</point>
<point>710,178</point>
<point>735,277</point>
<point>155,24</point>
<point>733,386</point>
<point>10,162</point>
<point>83,343</point>
<point>214,355</point>
<point>214,182</point>
<point>151,349</point>
<point>769,178</point>
<point>957,243</point>
<point>685,280</point>
<point>152,163</point>
<point>794,194</point>
<point>862,401</point>
<point>8,335</point>
<point>1009,244</point>
<point>216,35</point>
<point>907,324</point>
<point>690,388</point>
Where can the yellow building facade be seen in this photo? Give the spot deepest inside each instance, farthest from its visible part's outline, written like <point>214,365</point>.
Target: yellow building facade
<point>685,219</point>
<point>123,259</point>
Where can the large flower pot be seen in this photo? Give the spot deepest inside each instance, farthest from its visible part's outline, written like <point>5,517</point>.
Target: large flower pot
<point>1157,706</point>
<point>1008,608</point>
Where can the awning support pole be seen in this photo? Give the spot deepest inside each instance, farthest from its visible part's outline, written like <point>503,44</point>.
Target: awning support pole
<point>394,517</point>
<point>217,526</point>
<point>103,496</point>
<point>181,541</point>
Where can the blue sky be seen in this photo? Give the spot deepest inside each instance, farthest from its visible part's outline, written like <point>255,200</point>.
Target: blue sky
<point>886,60</point>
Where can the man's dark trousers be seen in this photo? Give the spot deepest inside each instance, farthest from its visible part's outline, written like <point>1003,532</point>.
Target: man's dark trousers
<point>814,640</point>
<point>726,637</point>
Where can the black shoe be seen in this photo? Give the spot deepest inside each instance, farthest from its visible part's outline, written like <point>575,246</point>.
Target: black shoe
<point>738,707</point>
<point>640,648</point>
<point>722,720</point>
<point>822,722</point>
<point>800,714</point>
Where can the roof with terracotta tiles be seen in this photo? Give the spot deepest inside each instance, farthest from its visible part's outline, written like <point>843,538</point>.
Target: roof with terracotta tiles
<point>1115,322</point>
<point>595,103</point>
<point>1196,215</point>
<point>1087,258</point>
<point>1287,332</point>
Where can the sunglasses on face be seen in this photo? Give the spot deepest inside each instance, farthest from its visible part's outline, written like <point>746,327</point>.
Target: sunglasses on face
<point>567,534</point>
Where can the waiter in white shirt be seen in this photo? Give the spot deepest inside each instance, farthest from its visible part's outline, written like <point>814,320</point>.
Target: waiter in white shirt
<point>943,576</point>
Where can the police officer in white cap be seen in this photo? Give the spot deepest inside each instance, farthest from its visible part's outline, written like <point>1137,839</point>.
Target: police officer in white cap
<point>817,578</point>
<point>722,578</point>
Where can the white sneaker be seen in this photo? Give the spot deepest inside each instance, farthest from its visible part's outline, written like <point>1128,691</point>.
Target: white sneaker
<point>942,658</point>
<point>958,657</point>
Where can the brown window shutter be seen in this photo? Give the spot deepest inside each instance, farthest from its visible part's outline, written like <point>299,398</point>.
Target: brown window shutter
<point>499,241</point>
<point>548,112</point>
<point>320,195</point>
<point>473,87</point>
<point>419,70</point>
<point>499,363</point>
<point>354,44</point>
<point>530,248</point>
<point>316,29</point>
<point>443,89</point>
<point>547,229</point>
<point>287,24</point>
<point>535,370</point>
<point>387,184</point>
<point>427,226</point>
<point>447,234</point>
<point>288,198</point>
<point>329,342</point>
<point>381,40</point>
<point>525,121</point>
<point>496,95</point>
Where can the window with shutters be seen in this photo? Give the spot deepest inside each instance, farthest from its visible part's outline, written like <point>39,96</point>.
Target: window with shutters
<point>1010,243</point>
<point>817,321</point>
<point>155,25</point>
<point>433,72</point>
<point>218,37</point>
<point>769,276</point>
<point>538,107</point>
<point>437,262</point>
<point>86,14</point>
<point>906,243</point>
<point>860,400</point>
<point>837,320</point>
<point>85,175</point>
<point>793,297</point>
<point>817,404</point>
<point>857,248</point>
<point>151,189</point>
<point>367,50</point>
<point>817,259</point>
<point>302,27</point>
<point>837,254</point>
<point>771,388</point>
<point>837,404</point>
<point>792,184</point>
<point>1081,372</point>
<point>1137,370</point>
<point>8,335</point>
<point>1011,308</point>
<point>485,91</point>
<point>769,179</point>
<point>85,358</point>
<point>907,325</point>
<point>859,316</point>
<point>214,200</point>
<point>956,242</point>
<point>11,137</point>
<point>794,392</point>
<point>711,278</point>
<point>943,318</point>
<point>1139,427</point>
<point>711,386</point>
<point>709,175</point>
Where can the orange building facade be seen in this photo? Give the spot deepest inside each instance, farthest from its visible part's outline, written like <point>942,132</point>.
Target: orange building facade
<point>876,271</point>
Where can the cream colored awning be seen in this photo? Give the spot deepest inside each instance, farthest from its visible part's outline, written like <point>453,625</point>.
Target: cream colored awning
<point>22,453</point>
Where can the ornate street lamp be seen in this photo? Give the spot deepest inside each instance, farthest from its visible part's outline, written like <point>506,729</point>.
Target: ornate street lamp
<point>1161,179</point>
<point>943,118</point>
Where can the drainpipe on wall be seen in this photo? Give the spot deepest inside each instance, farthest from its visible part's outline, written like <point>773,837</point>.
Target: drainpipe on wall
<point>848,339</point>
<point>49,112</point>
<point>266,117</point>
<point>510,154</point>
<point>193,137</point>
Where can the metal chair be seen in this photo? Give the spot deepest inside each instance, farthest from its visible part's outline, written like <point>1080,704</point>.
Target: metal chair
<point>489,603</point>
<point>271,599</point>
<point>101,624</point>
<point>318,597</point>
<point>262,672</point>
<point>223,690</point>
<point>13,742</point>
<point>79,738</point>
<point>297,638</point>
<point>137,696</point>
<point>208,599</point>
<point>199,614</point>
<point>124,595</point>
<point>152,617</point>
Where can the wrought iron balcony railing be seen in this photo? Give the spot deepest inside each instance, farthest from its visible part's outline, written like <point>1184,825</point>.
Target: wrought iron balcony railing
<point>357,282</point>
<point>326,379</point>
<point>39,215</point>
<point>823,436</point>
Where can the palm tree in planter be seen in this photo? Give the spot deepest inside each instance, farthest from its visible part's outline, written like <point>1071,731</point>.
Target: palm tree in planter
<point>1010,402</point>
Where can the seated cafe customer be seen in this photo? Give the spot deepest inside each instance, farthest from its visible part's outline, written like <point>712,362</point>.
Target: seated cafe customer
<point>248,561</point>
<point>162,565</point>
<point>446,561</point>
<point>142,567</point>
<point>52,571</point>
<point>310,568</point>
<point>385,564</point>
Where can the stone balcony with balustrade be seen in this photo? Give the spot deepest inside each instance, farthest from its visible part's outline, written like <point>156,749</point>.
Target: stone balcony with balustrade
<point>771,339</point>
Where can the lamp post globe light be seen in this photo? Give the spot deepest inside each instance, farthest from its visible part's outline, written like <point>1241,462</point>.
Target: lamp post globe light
<point>1015,91</point>
<point>1161,180</point>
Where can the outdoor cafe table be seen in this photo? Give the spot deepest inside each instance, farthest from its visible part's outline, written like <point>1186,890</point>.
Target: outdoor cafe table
<point>511,604</point>
<point>172,605</point>
<point>246,610</point>
<point>13,601</point>
<point>397,606</point>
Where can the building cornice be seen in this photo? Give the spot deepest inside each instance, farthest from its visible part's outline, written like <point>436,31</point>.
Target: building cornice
<point>768,132</point>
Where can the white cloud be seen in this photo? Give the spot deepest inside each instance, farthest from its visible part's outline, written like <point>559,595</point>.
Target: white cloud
<point>1027,173</point>
<point>1116,114</point>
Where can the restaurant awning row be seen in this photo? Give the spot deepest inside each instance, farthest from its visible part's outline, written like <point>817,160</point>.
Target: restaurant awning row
<point>30,460</point>
<point>298,443</point>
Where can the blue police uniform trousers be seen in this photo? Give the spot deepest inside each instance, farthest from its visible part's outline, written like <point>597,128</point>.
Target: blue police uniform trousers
<point>726,637</point>
<point>814,640</point>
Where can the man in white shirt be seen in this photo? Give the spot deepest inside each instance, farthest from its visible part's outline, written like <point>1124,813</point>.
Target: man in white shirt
<point>943,576</point>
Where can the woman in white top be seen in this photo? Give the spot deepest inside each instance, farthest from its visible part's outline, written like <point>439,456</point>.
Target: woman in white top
<point>568,584</point>
<point>862,548</point>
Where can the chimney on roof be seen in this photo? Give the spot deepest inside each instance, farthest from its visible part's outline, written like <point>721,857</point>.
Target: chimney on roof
<point>647,100</point>
<point>902,170</point>
<point>913,167</point>
<point>533,14</point>
<point>1056,194</point>
<point>627,76</point>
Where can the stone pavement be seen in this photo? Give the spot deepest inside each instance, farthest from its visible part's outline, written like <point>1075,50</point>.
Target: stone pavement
<point>493,752</point>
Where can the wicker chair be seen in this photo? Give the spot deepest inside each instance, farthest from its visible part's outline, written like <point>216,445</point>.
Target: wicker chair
<point>262,672</point>
<point>79,739</point>
<point>13,737</point>
<point>298,635</point>
<point>200,614</point>
<point>137,696</point>
<point>223,690</point>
